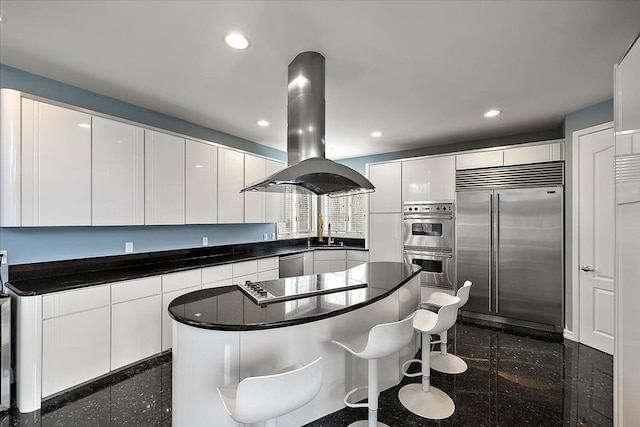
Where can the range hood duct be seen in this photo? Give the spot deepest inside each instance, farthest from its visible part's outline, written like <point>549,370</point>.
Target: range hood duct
<point>307,167</point>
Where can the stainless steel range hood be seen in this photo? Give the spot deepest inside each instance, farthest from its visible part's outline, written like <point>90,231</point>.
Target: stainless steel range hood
<point>307,166</point>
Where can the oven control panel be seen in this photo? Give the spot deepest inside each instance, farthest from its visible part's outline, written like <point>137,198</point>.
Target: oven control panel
<point>428,208</point>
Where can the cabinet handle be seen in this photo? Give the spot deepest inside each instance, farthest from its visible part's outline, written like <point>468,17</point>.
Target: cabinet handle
<point>586,268</point>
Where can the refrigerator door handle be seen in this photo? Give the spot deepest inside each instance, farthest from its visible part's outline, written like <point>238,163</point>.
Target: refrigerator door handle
<point>490,248</point>
<point>497,247</point>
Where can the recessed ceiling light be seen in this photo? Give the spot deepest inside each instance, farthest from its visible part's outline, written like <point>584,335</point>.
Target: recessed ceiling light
<point>236,41</point>
<point>262,123</point>
<point>376,134</point>
<point>492,113</point>
<point>3,19</point>
<point>85,125</point>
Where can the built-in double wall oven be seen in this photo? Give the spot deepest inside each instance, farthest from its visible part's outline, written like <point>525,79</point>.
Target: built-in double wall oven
<point>428,232</point>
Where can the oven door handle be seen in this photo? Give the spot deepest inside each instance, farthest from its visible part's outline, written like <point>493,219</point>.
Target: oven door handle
<point>428,216</point>
<point>430,254</point>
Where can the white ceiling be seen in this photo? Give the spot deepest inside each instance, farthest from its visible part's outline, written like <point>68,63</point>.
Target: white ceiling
<point>422,72</point>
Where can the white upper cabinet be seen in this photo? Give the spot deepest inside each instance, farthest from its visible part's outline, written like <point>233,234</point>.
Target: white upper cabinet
<point>533,154</point>
<point>117,173</point>
<point>255,168</point>
<point>164,179</point>
<point>430,179</point>
<point>56,165</point>
<point>387,178</point>
<point>230,182</point>
<point>274,201</point>
<point>201,183</point>
<point>627,96</point>
<point>482,159</point>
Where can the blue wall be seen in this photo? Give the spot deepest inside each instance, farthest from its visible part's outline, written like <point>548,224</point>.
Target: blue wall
<point>26,245</point>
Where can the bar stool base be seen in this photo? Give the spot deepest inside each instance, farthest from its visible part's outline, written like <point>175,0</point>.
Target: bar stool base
<point>365,423</point>
<point>434,404</point>
<point>447,363</point>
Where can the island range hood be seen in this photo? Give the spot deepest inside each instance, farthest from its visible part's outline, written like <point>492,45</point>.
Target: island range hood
<point>306,165</point>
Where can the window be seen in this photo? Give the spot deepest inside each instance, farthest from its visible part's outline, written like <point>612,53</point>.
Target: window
<point>347,214</point>
<point>298,214</point>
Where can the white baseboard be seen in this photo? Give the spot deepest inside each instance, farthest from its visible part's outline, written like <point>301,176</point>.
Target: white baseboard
<point>568,335</point>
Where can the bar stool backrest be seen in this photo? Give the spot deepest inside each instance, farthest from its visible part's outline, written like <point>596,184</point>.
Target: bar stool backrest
<point>447,315</point>
<point>387,338</point>
<point>270,396</point>
<point>463,293</point>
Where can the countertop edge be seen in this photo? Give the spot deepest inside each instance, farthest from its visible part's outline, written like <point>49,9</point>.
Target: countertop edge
<point>294,322</point>
<point>14,286</point>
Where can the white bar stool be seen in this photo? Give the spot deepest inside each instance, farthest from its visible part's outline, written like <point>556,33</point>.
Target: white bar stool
<point>381,341</point>
<point>442,361</point>
<point>422,399</point>
<point>265,398</point>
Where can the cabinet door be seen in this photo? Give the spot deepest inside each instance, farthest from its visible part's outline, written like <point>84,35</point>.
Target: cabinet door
<point>483,159</point>
<point>164,179</point>
<point>268,275</point>
<point>75,349</point>
<point>385,237</point>
<point>56,165</point>
<point>387,178</point>
<point>355,258</point>
<point>167,330</point>
<point>524,155</point>
<point>329,266</point>
<point>117,173</point>
<point>254,202</point>
<point>627,98</point>
<point>274,201</point>
<point>201,183</point>
<point>230,182</point>
<point>135,330</point>
<point>432,179</point>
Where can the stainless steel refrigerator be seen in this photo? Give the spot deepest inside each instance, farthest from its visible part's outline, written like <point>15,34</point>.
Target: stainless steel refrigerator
<point>510,245</point>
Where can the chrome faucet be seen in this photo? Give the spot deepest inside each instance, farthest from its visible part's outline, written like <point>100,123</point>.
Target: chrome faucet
<point>329,238</point>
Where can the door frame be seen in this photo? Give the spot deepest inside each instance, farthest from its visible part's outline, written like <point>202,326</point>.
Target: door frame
<point>574,333</point>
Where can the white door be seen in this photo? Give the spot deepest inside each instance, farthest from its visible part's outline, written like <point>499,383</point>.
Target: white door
<point>596,194</point>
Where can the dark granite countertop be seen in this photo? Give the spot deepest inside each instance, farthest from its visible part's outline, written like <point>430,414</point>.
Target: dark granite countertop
<point>229,309</point>
<point>47,277</point>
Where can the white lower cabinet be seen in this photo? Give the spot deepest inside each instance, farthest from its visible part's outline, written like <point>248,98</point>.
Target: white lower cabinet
<point>268,268</point>
<point>174,285</point>
<point>75,349</point>
<point>329,261</point>
<point>216,277</point>
<point>135,320</point>
<point>135,330</point>
<point>166,319</point>
<point>355,258</point>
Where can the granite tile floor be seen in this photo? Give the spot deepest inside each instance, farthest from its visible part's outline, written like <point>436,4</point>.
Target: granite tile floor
<point>513,380</point>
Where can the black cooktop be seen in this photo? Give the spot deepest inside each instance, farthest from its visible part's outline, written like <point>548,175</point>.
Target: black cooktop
<point>291,288</point>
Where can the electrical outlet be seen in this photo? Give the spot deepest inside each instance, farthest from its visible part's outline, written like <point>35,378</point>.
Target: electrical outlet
<point>264,236</point>
<point>128,247</point>
<point>273,236</point>
<point>205,241</point>
<point>4,256</point>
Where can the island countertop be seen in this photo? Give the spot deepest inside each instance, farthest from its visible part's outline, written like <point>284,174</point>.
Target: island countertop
<point>228,308</point>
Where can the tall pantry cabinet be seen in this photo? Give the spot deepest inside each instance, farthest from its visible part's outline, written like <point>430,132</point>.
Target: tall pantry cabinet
<point>385,212</point>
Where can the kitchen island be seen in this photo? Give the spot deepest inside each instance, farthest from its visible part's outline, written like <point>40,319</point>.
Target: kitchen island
<point>221,336</point>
